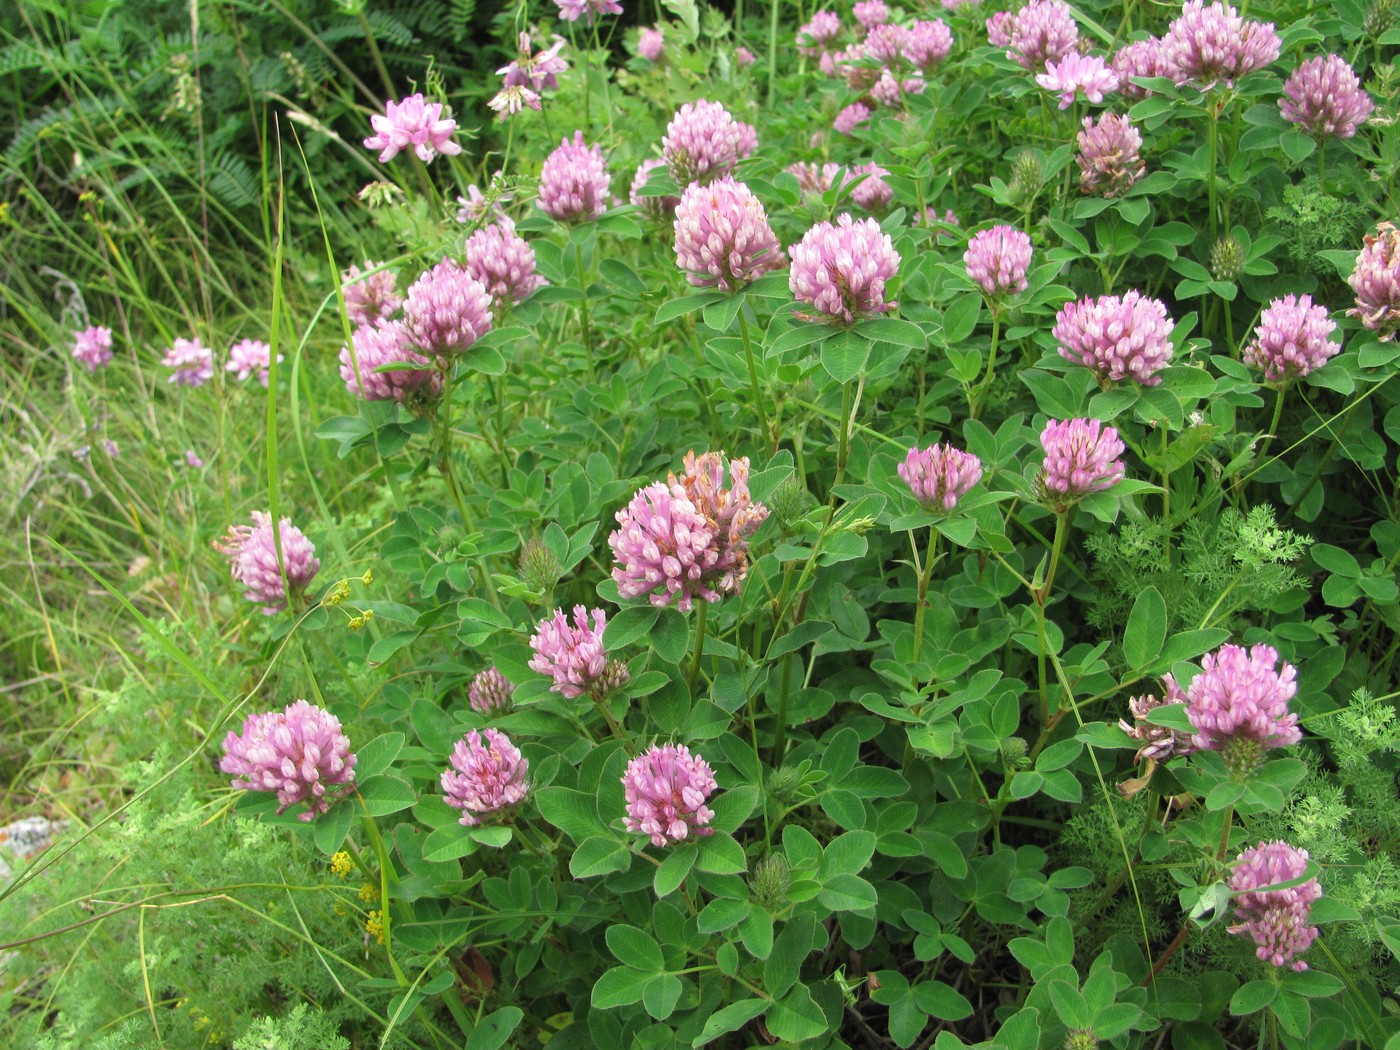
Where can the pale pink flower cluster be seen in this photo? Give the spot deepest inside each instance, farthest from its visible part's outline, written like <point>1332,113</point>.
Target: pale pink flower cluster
<point>488,774</point>
<point>850,118</point>
<point>688,537</point>
<point>871,13</point>
<point>886,44</point>
<point>1242,695</point>
<point>841,269</point>
<point>744,58</point>
<point>370,299</point>
<point>536,71</point>
<point>249,356</point>
<point>1108,156</point>
<point>940,475</point>
<point>513,99</point>
<point>476,206</point>
<point>666,788</point>
<point>928,44</point>
<point>374,345</point>
<point>588,10</point>
<point>92,347</point>
<point>1291,339</point>
<point>652,207</point>
<point>490,693</point>
<point>651,45</point>
<point>298,753</point>
<point>1077,74</point>
<point>1209,45</point>
<point>1141,58</point>
<point>574,182</point>
<point>252,552</point>
<point>703,142</point>
<point>191,363</point>
<point>1276,920</point>
<point>1043,31</point>
<point>819,36</point>
<point>1117,338</point>
<point>413,122</point>
<point>1376,282</point>
<point>722,236</point>
<point>814,178</point>
<point>573,655</point>
<point>1325,98</point>
<point>872,193</point>
<point>446,310</point>
<point>1081,457</point>
<point>504,263</point>
<point>1159,743</point>
<point>997,260</point>
<point>999,28</point>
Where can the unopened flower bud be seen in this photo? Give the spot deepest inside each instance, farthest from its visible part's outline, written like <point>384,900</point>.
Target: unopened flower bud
<point>771,878</point>
<point>1026,176</point>
<point>1226,259</point>
<point>1081,1039</point>
<point>538,567</point>
<point>1014,748</point>
<point>783,784</point>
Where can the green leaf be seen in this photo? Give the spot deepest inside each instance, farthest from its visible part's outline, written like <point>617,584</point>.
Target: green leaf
<point>941,1001</point>
<point>729,1019</point>
<point>433,726</point>
<point>1253,997</point>
<point>796,1017</point>
<point>378,755</point>
<point>719,854</point>
<point>450,842</point>
<point>960,317</point>
<point>670,637</point>
<point>635,948</point>
<point>384,795</point>
<point>331,828</point>
<point>628,625</point>
<point>843,355</point>
<point>660,995</point>
<point>673,870</point>
<point>847,854</point>
<point>784,963</point>
<point>620,986</point>
<point>722,913</point>
<point>573,812</point>
<point>492,1031</point>
<point>599,856</point>
<point>390,644</point>
<point>1147,629</point>
<point>892,330</point>
<point>847,893</point>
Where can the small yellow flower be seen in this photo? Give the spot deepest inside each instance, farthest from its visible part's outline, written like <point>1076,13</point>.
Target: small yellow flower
<point>374,927</point>
<point>341,864</point>
<point>368,577</point>
<point>369,892</point>
<point>356,622</point>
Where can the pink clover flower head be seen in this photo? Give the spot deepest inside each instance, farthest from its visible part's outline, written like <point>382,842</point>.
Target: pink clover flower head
<point>92,347</point>
<point>688,537</point>
<point>248,356</point>
<point>651,45</point>
<point>300,753</point>
<point>1141,58</point>
<point>512,99</point>
<point>1210,45</point>
<point>370,299</point>
<point>490,693</point>
<point>666,788</point>
<point>703,142</point>
<point>503,263</point>
<point>871,13</point>
<point>476,207</point>
<point>890,92</point>
<point>573,655</point>
<point>927,44</point>
<point>191,363</point>
<point>1108,157</point>
<point>658,208</point>
<point>744,58</point>
<point>1117,338</point>
<point>1078,74</point>
<point>814,178</point>
<point>931,218</point>
<point>375,345</point>
<point>1238,704</point>
<point>1291,339</point>
<point>957,5</point>
<point>818,35</point>
<point>413,122</point>
<point>252,557</point>
<point>886,44</point>
<point>1276,920</point>
<point>1325,98</point>
<point>573,10</point>
<point>488,774</point>
<point>722,236</point>
<point>193,459</point>
<point>1081,456</point>
<point>111,448</point>
<point>1043,31</point>
<point>850,118</point>
<point>999,28</point>
<point>940,475</point>
<point>539,72</point>
<point>997,260</point>
<point>447,310</point>
<point>574,182</point>
<point>1159,743</point>
<point>873,194</point>
<point>840,269</point>
<point>1376,282</point>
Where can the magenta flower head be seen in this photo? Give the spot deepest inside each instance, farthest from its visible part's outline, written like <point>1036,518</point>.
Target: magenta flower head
<point>850,118</point>
<point>370,299</point>
<point>999,28</point>
<point>92,347</point>
<point>666,788</point>
<point>1141,58</point>
<point>871,13</point>
<point>573,10</point>
<point>573,655</point>
<point>373,346</point>
<point>1291,339</point>
<point>818,35</point>
<point>651,45</point>
<point>1077,74</point>
<point>814,178</point>
<point>1159,743</point>
<point>703,142</point>
<point>536,71</point>
<point>722,236</point>
<point>687,538</point>
<point>447,310</point>
<point>1325,98</point>
<point>476,207</point>
<point>1376,282</point>
<point>744,58</point>
<point>488,774</point>
<point>513,99</point>
<point>1081,456</point>
<point>503,263</point>
<point>1108,157</point>
<point>253,561</point>
<point>1043,31</point>
<point>997,260</point>
<point>1276,920</point>
<point>574,182</point>
<point>1210,45</point>
<point>873,194</point>
<point>1238,705</point>
<point>658,208</point>
<point>940,475</point>
<point>490,693</point>
<point>299,753</point>
<point>927,44</point>
<point>413,122</point>
<point>248,356</point>
<point>840,269</point>
<point>1117,338</point>
<point>191,363</point>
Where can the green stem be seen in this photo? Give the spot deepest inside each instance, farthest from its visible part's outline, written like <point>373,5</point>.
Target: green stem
<point>1273,423</point>
<point>1213,122</point>
<point>449,475</point>
<point>985,386</point>
<point>1322,165</point>
<point>924,578</point>
<point>772,48</point>
<point>768,433</point>
<point>376,843</point>
<point>1225,829</point>
<point>583,312</point>
<point>694,675</point>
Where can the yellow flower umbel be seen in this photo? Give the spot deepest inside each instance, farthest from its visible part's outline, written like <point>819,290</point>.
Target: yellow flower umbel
<point>374,927</point>
<point>341,864</point>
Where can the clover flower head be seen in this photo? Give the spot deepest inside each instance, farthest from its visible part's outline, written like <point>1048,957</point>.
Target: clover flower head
<point>92,347</point>
<point>537,71</point>
<point>850,118</point>
<point>488,774</point>
<point>1291,339</point>
<point>249,356</point>
<point>658,208</point>
<point>873,193</point>
<point>588,10</point>
<point>191,363</point>
<point>252,555</point>
<point>886,44</point>
<point>1043,31</point>
<point>1376,282</point>
<point>1325,98</point>
<point>722,236</point>
<point>841,268</point>
<point>1276,920</point>
<point>1117,337</point>
<point>1141,58</point>
<point>573,655</point>
<point>1081,456</point>
<point>814,178</point>
<point>1238,704</point>
<point>666,788</point>
<point>651,45</point>
<point>999,28</point>
<point>940,475</point>
<point>1077,74</point>
<point>927,44</point>
<point>997,260</point>
<point>1209,45</point>
<point>446,310</point>
<point>871,13</point>
<point>503,263</point>
<point>703,142</point>
<point>574,182</point>
<point>299,753</point>
<point>370,299</point>
<point>819,34</point>
<point>413,122</point>
<point>1159,743</point>
<point>1108,157</point>
<point>490,693</point>
<point>375,345</point>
